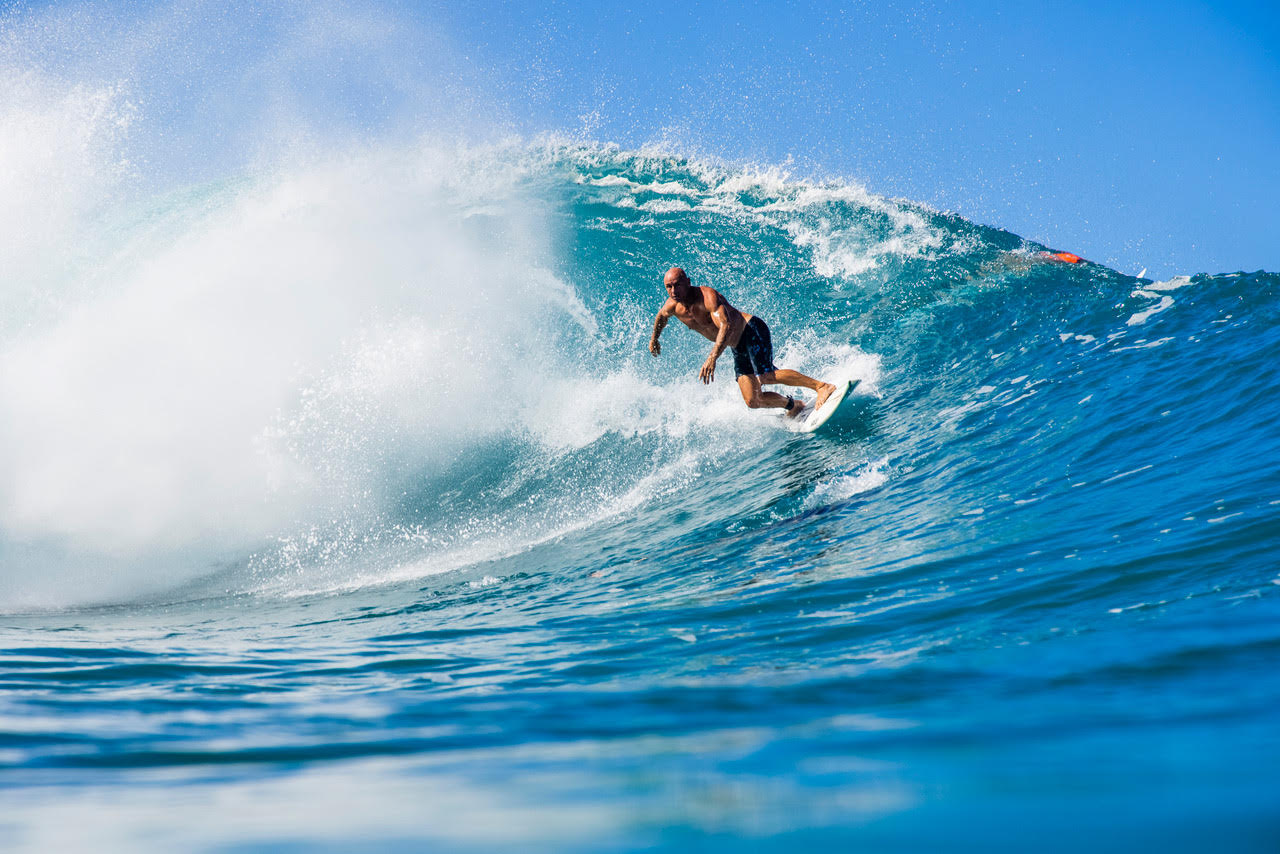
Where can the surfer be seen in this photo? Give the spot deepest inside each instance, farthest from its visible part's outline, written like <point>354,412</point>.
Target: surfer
<point>706,311</point>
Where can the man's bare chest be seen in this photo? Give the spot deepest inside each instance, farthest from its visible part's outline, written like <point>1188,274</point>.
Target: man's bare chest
<point>695,317</point>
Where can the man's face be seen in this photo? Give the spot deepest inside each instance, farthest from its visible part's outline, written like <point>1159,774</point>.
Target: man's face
<point>678,289</point>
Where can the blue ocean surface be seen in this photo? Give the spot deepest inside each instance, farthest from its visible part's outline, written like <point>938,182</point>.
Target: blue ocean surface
<point>345,509</point>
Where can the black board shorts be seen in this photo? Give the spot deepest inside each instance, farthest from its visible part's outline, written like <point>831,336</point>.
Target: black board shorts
<point>754,354</point>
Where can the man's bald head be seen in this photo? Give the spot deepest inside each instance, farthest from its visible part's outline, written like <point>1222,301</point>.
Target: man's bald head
<point>675,274</point>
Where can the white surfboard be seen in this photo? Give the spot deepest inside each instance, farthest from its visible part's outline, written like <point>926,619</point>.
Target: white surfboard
<point>810,420</point>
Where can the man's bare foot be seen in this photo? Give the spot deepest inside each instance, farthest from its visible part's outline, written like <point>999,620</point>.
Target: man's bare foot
<point>824,391</point>
<point>795,407</point>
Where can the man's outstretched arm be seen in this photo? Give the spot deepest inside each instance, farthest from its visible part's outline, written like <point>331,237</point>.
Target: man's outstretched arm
<point>664,314</point>
<point>721,319</point>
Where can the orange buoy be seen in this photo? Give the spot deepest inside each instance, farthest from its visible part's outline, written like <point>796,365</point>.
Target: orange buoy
<point>1066,256</point>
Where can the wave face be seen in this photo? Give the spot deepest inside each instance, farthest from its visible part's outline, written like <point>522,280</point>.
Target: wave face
<point>357,478</point>
<point>385,366</point>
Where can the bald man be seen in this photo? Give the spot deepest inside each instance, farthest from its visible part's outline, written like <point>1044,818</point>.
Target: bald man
<point>706,311</point>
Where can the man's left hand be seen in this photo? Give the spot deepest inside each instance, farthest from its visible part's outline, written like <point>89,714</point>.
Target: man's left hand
<point>708,372</point>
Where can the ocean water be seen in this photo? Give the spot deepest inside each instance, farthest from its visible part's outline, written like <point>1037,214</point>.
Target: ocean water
<point>344,509</point>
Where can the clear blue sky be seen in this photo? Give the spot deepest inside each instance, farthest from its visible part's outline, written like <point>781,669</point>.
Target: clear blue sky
<point>1138,134</point>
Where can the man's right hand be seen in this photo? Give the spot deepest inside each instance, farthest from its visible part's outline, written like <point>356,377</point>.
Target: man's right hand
<point>654,347</point>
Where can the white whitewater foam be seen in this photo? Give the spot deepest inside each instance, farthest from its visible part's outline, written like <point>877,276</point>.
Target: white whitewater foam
<point>263,361</point>
<point>1157,291</point>
<point>843,487</point>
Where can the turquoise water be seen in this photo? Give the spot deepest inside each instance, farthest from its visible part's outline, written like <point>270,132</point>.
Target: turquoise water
<point>346,509</point>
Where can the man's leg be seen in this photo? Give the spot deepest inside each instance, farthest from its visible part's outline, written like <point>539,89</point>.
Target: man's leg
<point>799,380</point>
<point>758,399</point>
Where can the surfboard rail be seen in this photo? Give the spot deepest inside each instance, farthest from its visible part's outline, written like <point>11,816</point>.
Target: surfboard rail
<point>812,419</point>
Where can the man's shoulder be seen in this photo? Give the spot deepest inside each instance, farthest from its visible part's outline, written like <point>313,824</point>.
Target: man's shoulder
<point>712,297</point>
